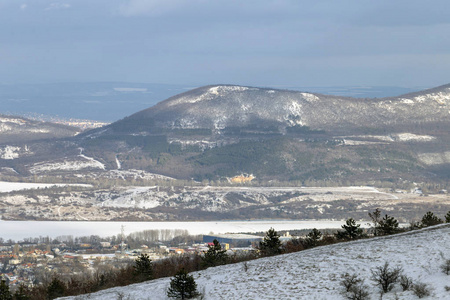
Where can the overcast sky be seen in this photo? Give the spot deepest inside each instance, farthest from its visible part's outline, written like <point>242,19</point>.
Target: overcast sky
<point>248,42</point>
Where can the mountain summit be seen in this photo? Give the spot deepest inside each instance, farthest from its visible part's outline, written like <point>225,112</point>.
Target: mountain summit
<point>220,107</point>
<point>221,131</point>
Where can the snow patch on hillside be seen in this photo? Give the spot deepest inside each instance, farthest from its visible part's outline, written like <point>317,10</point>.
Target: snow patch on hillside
<point>211,94</point>
<point>310,97</point>
<point>441,98</point>
<point>435,158</point>
<point>406,137</point>
<point>67,165</point>
<point>9,152</point>
<point>316,273</point>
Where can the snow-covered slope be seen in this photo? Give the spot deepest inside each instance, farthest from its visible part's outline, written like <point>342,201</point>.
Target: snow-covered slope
<point>316,273</point>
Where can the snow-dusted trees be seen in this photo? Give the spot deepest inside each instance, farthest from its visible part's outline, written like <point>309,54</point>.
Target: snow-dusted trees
<point>271,245</point>
<point>182,286</point>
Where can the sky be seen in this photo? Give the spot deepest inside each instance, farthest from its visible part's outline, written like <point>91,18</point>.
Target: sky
<point>252,42</point>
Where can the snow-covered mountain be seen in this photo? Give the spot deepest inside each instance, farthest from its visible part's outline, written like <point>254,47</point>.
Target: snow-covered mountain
<point>316,273</point>
<point>225,106</point>
<point>15,129</point>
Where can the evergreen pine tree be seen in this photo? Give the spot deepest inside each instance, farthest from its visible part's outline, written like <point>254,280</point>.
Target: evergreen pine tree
<point>5,294</point>
<point>447,217</point>
<point>182,286</point>
<point>143,267</point>
<point>313,237</point>
<point>22,293</point>
<point>351,230</point>
<point>271,245</point>
<point>56,289</point>
<point>429,219</point>
<point>388,225</point>
<point>215,255</point>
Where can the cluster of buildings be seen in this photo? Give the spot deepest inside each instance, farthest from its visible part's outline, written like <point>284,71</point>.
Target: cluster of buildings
<point>30,264</point>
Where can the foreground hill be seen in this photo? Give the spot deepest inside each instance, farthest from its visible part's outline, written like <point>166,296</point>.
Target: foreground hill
<point>316,273</point>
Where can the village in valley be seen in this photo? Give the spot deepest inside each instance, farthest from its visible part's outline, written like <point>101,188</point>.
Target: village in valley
<point>32,261</point>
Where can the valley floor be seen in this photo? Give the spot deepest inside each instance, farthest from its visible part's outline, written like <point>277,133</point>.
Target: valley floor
<point>316,273</point>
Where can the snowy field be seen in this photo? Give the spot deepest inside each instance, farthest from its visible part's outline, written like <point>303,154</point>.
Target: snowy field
<point>316,273</point>
<point>6,187</point>
<point>17,230</point>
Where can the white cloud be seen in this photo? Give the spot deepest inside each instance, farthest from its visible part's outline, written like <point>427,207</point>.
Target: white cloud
<point>23,6</point>
<point>58,5</point>
<point>152,7</point>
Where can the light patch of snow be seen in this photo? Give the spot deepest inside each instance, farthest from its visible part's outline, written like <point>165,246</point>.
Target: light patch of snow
<point>136,197</point>
<point>9,152</point>
<point>316,273</point>
<point>404,137</point>
<point>68,164</point>
<point>349,142</point>
<point>4,127</point>
<point>211,94</point>
<point>310,97</point>
<point>400,137</point>
<point>407,101</point>
<point>441,98</point>
<point>9,170</point>
<point>94,162</point>
<point>12,120</point>
<point>293,109</point>
<point>270,92</point>
<point>435,158</point>
<point>38,130</point>
<point>119,166</point>
<point>129,174</point>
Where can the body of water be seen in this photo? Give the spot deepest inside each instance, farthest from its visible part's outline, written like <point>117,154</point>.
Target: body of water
<point>18,230</point>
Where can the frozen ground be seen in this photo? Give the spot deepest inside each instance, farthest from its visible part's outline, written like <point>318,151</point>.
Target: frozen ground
<point>316,273</point>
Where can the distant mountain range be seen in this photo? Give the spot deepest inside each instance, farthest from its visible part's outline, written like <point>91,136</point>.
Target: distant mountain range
<point>220,131</point>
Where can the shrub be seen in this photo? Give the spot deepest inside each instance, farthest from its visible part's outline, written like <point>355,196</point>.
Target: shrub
<point>349,281</point>
<point>406,282</point>
<point>447,217</point>
<point>182,286</point>
<point>358,292</point>
<point>386,277</point>
<point>421,290</point>
<point>354,288</point>
<point>445,267</point>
